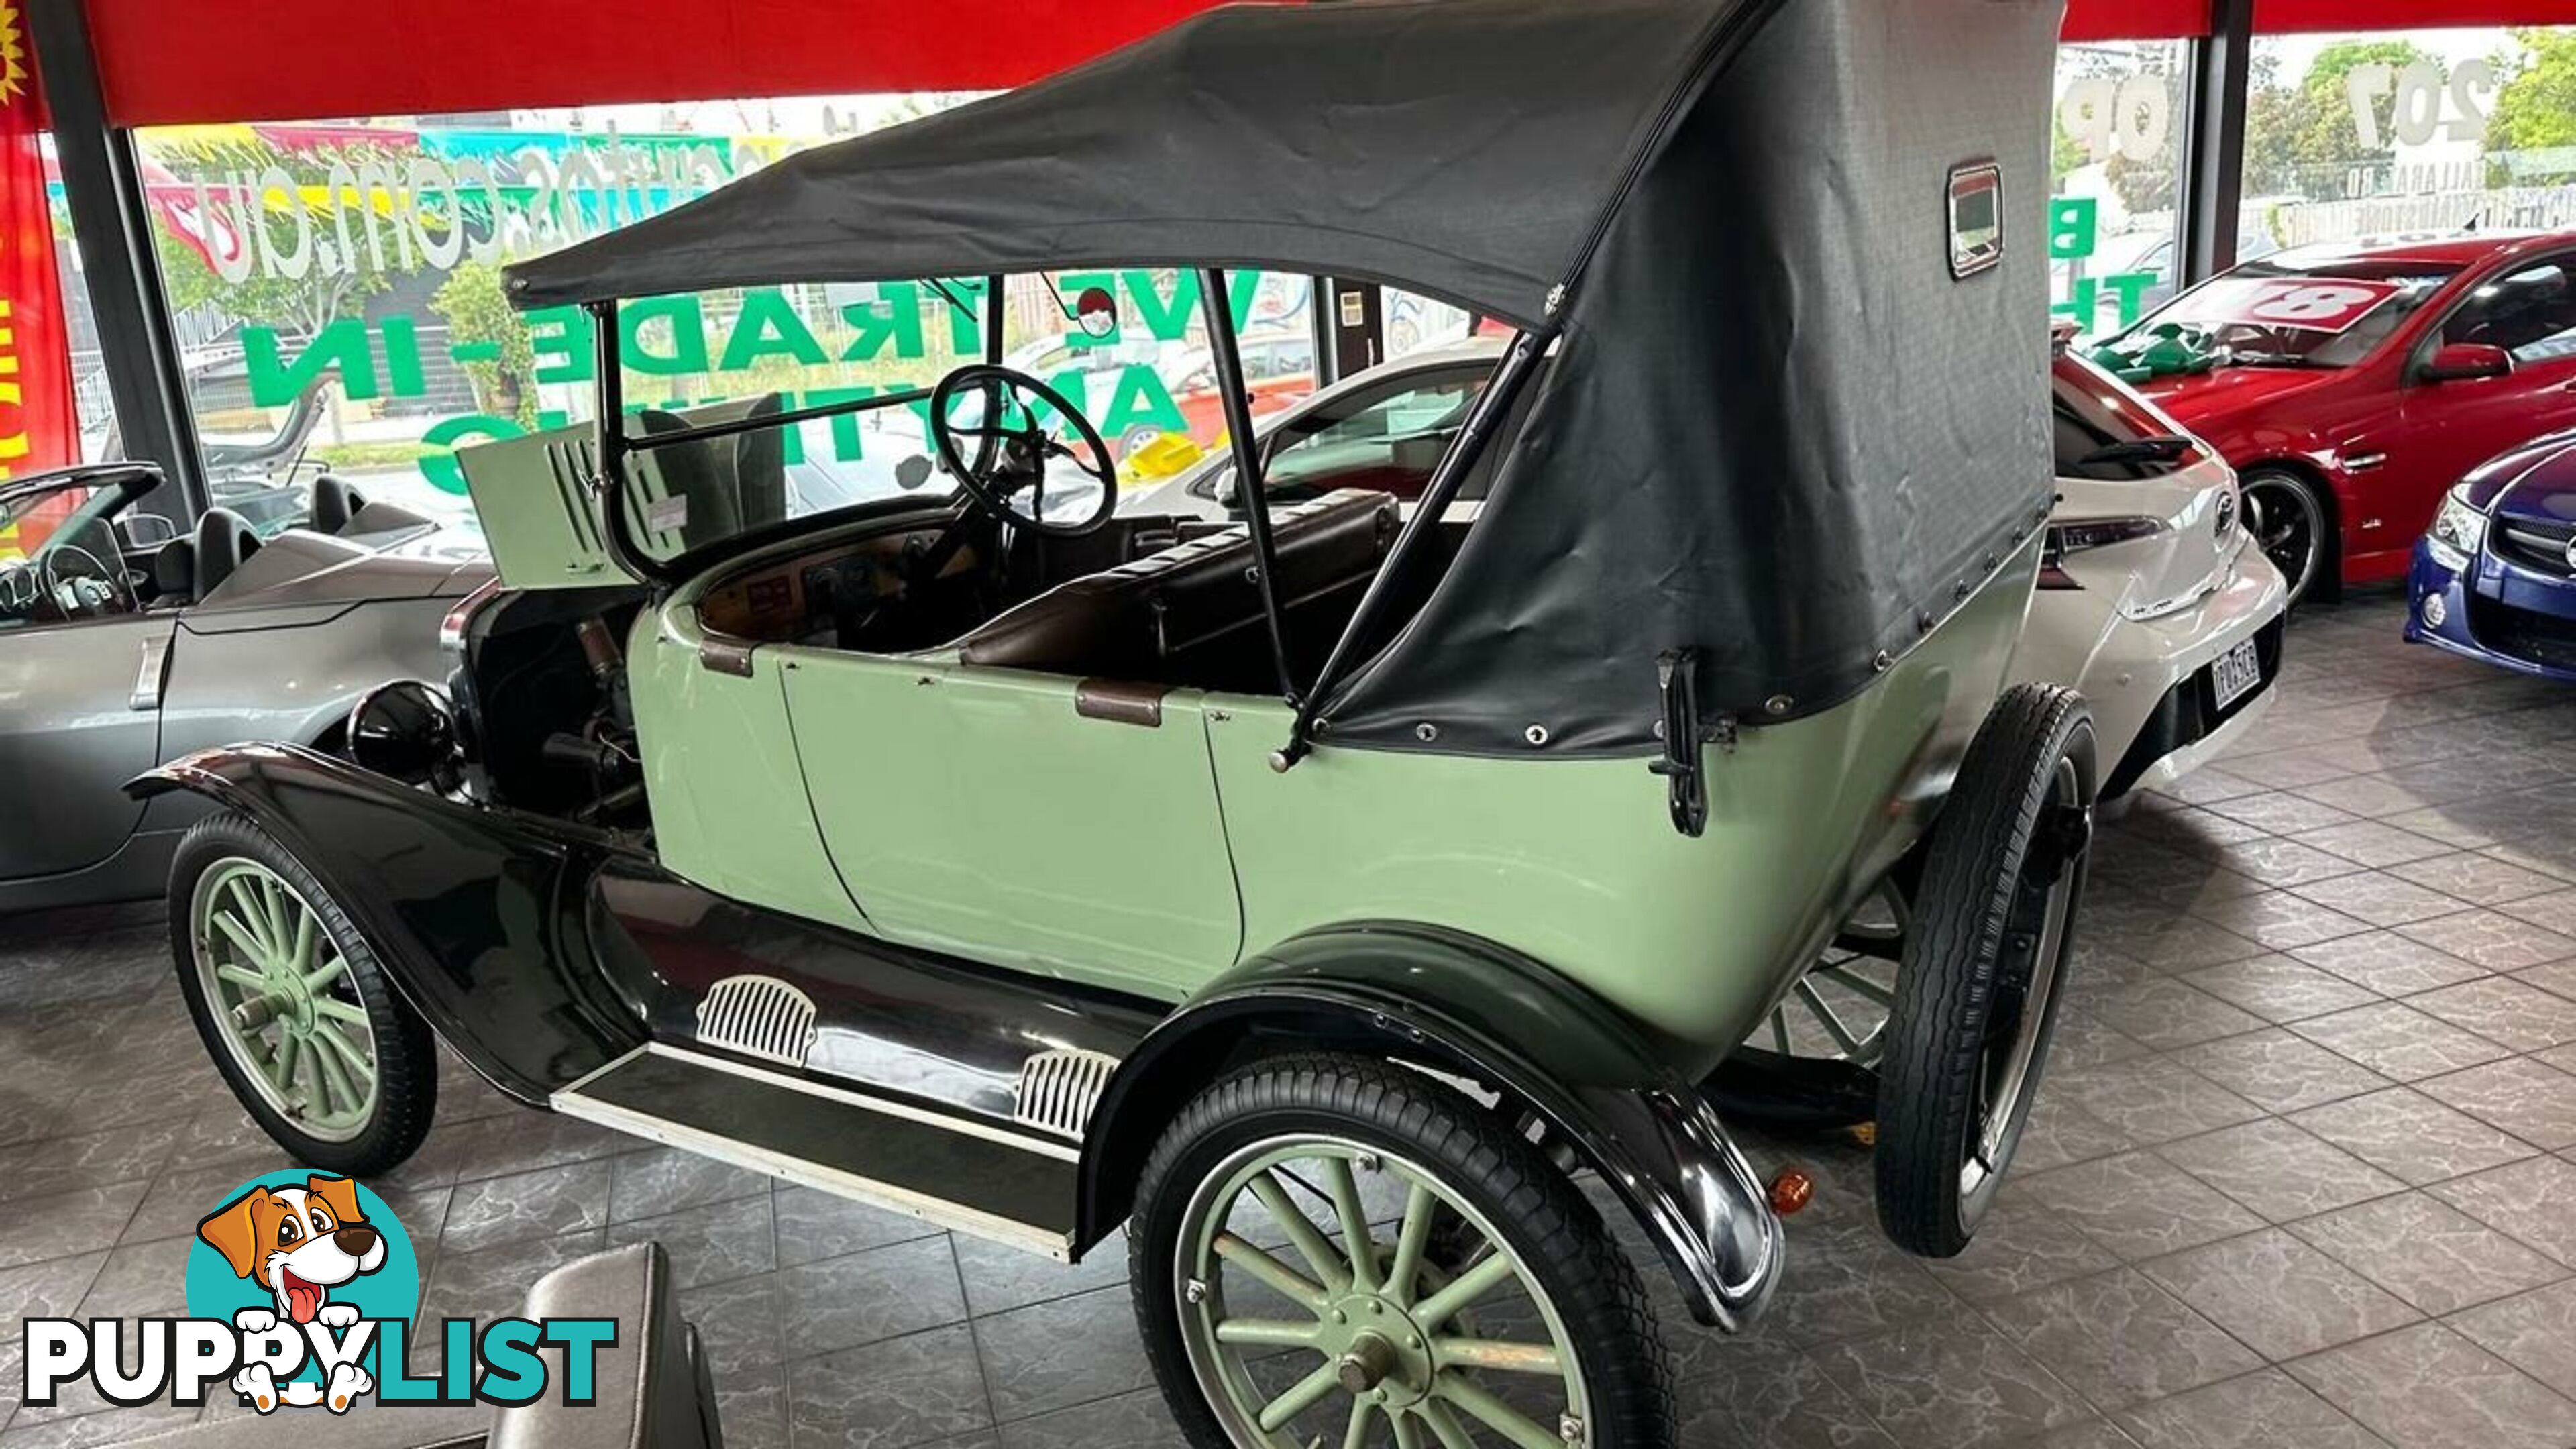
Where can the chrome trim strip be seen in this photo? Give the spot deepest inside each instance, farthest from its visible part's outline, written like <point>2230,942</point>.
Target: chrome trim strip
<point>1061,1151</point>
<point>935,1211</point>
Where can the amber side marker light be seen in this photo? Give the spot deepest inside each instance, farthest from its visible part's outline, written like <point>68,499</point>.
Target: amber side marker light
<point>1791,1189</point>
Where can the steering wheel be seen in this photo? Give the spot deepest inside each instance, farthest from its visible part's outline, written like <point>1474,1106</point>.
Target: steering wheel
<point>80,594</point>
<point>1011,460</point>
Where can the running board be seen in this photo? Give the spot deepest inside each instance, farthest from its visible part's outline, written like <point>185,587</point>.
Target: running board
<point>972,1177</point>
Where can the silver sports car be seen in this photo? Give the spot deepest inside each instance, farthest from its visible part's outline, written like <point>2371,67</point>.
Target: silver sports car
<point>119,651</point>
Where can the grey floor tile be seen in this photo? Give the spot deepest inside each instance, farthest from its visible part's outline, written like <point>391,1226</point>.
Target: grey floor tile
<point>2059,1133</point>
<point>2409,1135</point>
<point>865,1296</point>
<point>2119,1339</point>
<point>1134,1420</point>
<point>2388,963</point>
<point>2138,1205</point>
<point>2267,1410</point>
<point>2555,911</point>
<point>815,1225</point>
<point>2280,1296</point>
<point>2534,1331</point>
<point>751,1404</point>
<point>2163,1012</point>
<point>1001,1278</point>
<point>1759,1390</point>
<point>2152,1099</point>
<point>2280,1071</point>
<point>1859,1284</point>
<point>2022,1245</point>
<point>2478,880</point>
<point>69,1224</point>
<point>737,1321</point>
<point>2427,1252</point>
<point>493,1282</point>
<point>2533,1200</point>
<point>2558,978</point>
<point>899,1391</point>
<point>2397,1041</point>
<point>2514,1014</point>
<point>141,1280</point>
<point>709,1244</point>
<point>2278,1170</point>
<point>2373,843</point>
<point>2380,899</point>
<point>2521,1095</point>
<point>2492,939</point>
<point>1951,1384</point>
<point>2280,988</point>
<point>2426,1387</point>
<point>664,1180</point>
<point>63,1164</point>
<point>545,1203</point>
<point>1062,1352</point>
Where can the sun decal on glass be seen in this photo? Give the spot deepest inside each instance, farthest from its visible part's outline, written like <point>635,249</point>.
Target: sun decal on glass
<point>13,55</point>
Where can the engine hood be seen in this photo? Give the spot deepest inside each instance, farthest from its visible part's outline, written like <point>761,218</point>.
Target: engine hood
<point>2211,401</point>
<point>2536,481</point>
<point>300,567</point>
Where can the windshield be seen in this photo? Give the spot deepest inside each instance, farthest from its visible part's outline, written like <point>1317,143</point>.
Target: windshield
<point>2286,312</point>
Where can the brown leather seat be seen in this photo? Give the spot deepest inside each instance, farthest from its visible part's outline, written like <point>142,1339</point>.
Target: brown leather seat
<point>1152,619</point>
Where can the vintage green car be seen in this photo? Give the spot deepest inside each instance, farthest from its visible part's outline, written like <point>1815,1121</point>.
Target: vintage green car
<point>1319,895</point>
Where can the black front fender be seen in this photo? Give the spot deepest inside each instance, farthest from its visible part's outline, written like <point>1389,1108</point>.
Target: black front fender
<point>483,918</point>
<point>1452,1001</point>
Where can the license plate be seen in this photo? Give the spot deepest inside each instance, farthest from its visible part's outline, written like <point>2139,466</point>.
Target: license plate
<point>2235,673</point>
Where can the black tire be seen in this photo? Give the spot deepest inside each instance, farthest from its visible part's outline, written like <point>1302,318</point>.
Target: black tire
<point>2278,498</point>
<point>406,1059</point>
<point>1549,1226</point>
<point>2005,861</point>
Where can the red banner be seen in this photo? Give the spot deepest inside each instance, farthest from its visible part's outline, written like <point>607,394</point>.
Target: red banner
<point>39,427</point>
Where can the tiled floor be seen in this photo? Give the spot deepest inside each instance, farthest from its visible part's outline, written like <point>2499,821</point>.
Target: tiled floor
<point>2303,1175</point>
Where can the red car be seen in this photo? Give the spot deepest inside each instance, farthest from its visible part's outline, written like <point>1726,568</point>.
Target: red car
<point>2352,385</point>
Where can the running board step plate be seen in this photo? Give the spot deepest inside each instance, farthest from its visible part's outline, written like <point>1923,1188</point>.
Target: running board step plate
<point>982,1180</point>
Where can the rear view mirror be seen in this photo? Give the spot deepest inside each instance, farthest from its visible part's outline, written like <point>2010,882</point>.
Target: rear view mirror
<point>405,731</point>
<point>2464,361</point>
<point>143,530</point>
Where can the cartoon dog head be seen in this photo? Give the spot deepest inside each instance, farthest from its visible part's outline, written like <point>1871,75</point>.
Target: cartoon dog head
<point>297,1242</point>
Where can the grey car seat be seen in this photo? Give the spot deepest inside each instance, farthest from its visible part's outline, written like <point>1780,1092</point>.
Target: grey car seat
<point>334,503</point>
<point>693,471</point>
<point>222,541</point>
<point>760,467</point>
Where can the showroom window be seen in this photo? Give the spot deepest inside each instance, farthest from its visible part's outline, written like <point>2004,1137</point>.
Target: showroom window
<point>2114,178</point>
<point>2410,133</point>
<point>337,289</point>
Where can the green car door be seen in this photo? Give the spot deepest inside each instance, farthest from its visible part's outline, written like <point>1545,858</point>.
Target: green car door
<point>981,811</point>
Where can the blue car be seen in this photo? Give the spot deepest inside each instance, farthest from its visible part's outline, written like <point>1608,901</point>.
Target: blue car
<point>2495,577</point>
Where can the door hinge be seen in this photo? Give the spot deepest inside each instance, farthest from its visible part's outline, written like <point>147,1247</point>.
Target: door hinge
<point>1683,734</point>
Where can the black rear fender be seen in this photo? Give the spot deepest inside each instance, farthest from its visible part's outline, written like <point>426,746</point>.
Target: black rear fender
<point>1457,1004</point>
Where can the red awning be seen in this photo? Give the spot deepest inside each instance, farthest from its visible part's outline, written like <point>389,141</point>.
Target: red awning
<point>173,62</point>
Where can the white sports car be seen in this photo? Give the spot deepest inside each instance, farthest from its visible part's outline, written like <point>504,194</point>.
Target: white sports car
<point>2150,601</point>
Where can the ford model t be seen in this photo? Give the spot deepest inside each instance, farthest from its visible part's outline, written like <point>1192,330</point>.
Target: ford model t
<point>1320,895</point>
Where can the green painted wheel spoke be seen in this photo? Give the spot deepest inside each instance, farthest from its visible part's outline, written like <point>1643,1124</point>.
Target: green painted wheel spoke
<point>1406,1436</point>
<point>1496,1415</point>
<point>1356,1435</point>
<point>360,1069</point>
<point>251,982</point>
<point>244,937</point>
<point>1475,1283</point>
<point>283,1062</point>
<point>1302,1233</point>
<point>1410,1240</point>
<point>1268,1333</point>
<point>1301,1396</point>
<point>339,1094</point>
<point>280,930</point>
<point>335,1009</point>
<point>251,915</point>
<point>326,973</point>
<point>1278,1276</point>
<point>1497,1354</point>
<point>1361,1248</point>
<point>1445,1426</point>
<point>301,955</point>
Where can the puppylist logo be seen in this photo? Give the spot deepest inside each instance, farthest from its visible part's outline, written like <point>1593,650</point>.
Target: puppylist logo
<point>302,1289</point>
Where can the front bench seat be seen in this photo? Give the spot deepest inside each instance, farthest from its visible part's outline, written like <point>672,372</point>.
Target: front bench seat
<point>1144,621</point>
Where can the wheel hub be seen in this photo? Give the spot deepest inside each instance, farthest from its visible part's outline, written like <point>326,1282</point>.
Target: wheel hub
<point>1378,1351</point>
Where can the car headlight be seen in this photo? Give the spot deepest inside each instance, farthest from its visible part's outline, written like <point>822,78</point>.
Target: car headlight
<point>2458,531</point>
<point>2073,538</point>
